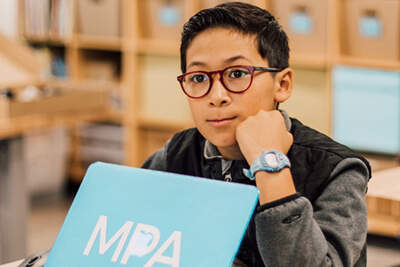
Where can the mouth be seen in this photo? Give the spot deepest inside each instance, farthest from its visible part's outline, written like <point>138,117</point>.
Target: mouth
<point>220,122</point>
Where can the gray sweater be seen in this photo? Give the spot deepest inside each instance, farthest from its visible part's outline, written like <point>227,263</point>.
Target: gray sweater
<point>339,215</point>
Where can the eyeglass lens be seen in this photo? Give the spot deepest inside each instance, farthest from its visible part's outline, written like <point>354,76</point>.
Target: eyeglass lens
<point>235,79</point>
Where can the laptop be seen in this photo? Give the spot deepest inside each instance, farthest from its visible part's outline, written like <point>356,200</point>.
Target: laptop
<point>125,216</point>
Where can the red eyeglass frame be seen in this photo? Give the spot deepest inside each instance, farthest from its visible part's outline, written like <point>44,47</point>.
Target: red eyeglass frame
<point>209,74</point>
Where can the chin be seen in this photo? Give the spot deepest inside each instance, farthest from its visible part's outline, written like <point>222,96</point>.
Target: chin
<point>219,138</point>
<point>223,142</point>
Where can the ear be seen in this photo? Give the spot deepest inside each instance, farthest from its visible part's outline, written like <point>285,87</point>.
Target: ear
<point>284,85</point>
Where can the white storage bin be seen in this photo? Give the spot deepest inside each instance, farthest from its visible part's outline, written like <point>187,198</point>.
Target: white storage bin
<point>366,109</point>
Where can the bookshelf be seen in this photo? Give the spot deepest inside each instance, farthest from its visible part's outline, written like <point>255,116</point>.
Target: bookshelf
<point>138,49</point>
<point>151,108</point>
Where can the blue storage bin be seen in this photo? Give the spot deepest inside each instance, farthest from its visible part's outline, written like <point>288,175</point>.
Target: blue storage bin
<point>366,109</point>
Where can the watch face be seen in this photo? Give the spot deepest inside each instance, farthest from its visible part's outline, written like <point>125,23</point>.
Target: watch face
<point>271,160</point>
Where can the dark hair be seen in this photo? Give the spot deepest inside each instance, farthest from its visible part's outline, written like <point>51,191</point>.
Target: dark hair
<point>271,40</point>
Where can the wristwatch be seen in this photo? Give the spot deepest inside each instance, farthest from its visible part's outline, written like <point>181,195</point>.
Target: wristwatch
<point>269,161</point>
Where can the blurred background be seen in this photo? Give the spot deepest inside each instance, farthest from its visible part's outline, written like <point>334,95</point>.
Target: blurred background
<point>95,80</point>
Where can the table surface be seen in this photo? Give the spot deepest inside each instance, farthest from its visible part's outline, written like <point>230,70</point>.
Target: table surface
<point>385,183</point>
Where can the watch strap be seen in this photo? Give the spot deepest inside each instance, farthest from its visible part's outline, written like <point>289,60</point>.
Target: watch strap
<point>261,165</point>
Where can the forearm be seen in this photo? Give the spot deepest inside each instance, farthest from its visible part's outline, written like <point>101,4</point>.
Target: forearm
<point>330,233</point>
<point>273,186</point>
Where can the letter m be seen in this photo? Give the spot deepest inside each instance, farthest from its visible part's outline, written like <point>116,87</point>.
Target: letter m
<point>101,227</point>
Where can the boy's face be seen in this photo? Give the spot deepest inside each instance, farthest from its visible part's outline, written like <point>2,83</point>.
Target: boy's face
<point>218,113</point>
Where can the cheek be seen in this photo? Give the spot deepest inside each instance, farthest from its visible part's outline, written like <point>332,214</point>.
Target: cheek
<point>263,100</point>
<point>196,110</point>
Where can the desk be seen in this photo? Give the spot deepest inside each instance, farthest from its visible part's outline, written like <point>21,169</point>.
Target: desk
<point>14,199</point>
<point>383,202</point>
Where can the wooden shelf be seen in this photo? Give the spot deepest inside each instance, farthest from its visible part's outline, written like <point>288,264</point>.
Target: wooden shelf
<point>45,40</point>
<point>144,134</point>
<point>18,66</point>
<point>99,43</point>
<point>133,47</point>
<point>17,126</point>
<point>368,63</point>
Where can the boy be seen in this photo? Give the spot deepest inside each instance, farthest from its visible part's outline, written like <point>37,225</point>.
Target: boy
<point>312,212</point>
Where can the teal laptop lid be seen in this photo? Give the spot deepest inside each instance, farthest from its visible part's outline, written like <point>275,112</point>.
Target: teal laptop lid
<point>125,216</point>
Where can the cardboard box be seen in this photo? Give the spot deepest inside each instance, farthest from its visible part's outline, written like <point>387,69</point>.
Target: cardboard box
<point>161,19</point>
<point>310,90</point>
<point>305,23</point>
<point>161,92</point>
<point>372,29</point>
<point>66,98</point>
<point>99,17</point>
<point>366,109</point>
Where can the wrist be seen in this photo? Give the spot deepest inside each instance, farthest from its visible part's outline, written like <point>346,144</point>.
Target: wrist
<point>269,161</point>
<point>274,186</point>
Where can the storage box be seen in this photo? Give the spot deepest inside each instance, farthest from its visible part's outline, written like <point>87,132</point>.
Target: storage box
<point>99,17</point>
<point>162,19</point>
<point>310,90</point>
<point>101,142</point>
<point>66,97</point>
<point>46,153</point>
<point>305,23</point>
<point>163,98</point>
<point>372,28</point>
<point>366,109</point>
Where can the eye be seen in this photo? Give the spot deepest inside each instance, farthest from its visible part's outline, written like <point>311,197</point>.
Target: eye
<point>237,72</point>
<point>198,78</point>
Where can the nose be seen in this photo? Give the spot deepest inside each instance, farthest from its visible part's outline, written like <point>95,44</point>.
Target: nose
<point>218,95</point>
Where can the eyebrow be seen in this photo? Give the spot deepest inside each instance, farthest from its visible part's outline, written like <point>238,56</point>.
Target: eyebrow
<point>196,63</point>
<point>233,59</point>
<point>227,61</point>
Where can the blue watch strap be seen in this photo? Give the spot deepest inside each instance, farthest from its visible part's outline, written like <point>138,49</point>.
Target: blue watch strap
<point>279,162</point>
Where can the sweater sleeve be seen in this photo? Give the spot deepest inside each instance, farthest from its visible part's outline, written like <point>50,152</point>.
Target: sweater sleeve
<point>332,232</point>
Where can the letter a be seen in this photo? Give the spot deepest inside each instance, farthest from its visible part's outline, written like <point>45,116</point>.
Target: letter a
<point>174,261</point>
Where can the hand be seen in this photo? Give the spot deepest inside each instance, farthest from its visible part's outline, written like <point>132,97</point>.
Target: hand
<point>264,131</point>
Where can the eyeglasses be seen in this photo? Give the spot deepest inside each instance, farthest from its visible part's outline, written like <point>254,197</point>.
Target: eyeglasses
<point>235,79</point>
